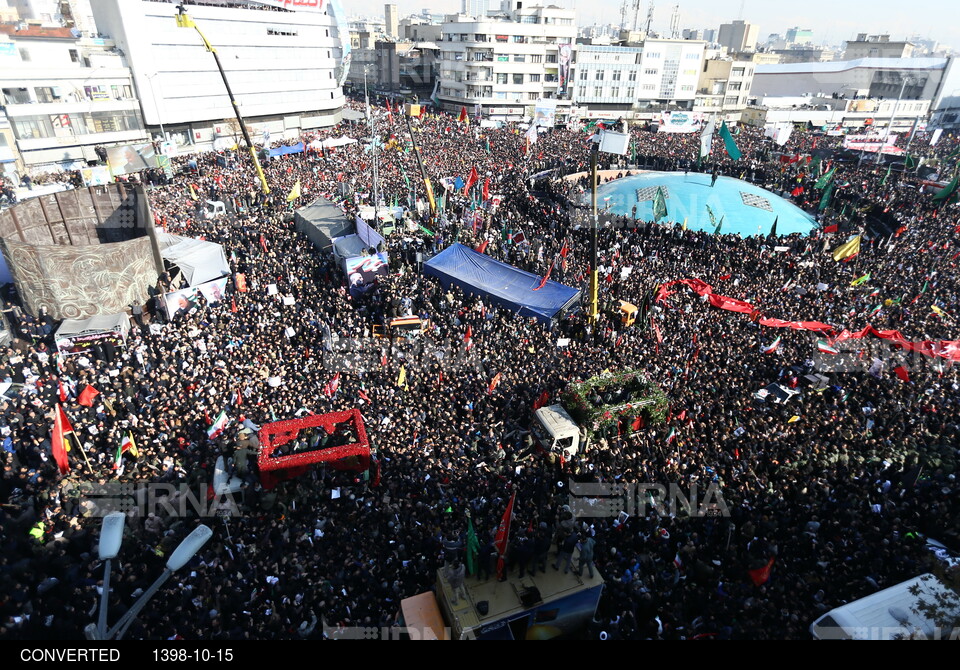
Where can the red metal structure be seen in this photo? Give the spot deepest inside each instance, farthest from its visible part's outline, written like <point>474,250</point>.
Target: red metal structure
<point>353,456</point>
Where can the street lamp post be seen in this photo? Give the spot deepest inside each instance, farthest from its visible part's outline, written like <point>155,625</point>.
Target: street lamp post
<point>156,109</point>
<point>113,532</point>
<point>111,536</point>
<point>893,114</point>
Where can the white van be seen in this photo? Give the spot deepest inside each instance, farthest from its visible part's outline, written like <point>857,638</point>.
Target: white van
<point>887,615</point>
<point>556,431</point>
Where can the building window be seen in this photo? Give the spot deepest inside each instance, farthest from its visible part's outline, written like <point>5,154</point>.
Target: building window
<point>532,96</point>
<point>45,94</point>
<point>25,55</point>
<point>519,58</point>
<point>596,91</point>
<point>649,87</point>
<point>33,127</point>
<point>16,96</point>
<point>652,55</point>
<point>692,56</point>
<point>616,75</point>
<point>737,72</point>
<point>686,87</point>
<point>650,70</point>
<point>551,58</point>
<point>632,76</point>
<point>74,56</point>
<point>730,100</point>
<point>582,92</point>
<point>536,58</point>
<point>534,78</point>
<point>583,75</point>
<point>281,33</point>
<point>599,75</point>
<point>615,92</point>
<point>501,78</point>
<point>630,93</point>
<point>734,86</point>
<point>518,79</point>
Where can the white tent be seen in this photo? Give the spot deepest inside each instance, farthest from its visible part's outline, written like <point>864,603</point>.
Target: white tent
<point>199,260</point>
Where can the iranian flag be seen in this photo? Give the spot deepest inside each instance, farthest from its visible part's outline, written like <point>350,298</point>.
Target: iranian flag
<point>126,444</point>
<point>773,346</point>
<point>672,435</point>
<point>824,347</point>
<point>218,426</point>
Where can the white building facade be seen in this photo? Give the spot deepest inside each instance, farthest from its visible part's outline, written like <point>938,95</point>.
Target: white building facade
<point>660,75</point>
<point>63,96</point>
<point>281,65</point>
<point>502,67</point>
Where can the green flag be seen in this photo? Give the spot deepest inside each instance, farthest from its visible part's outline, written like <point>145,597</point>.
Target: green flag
<point>473,548</point>
<point>825,200</point>
<point>884,180</point>
<point>946,193</point>
<point>713,219</point>
<point>427,230</point>
<point>659,205</point>
<point>488,145</point>
<point>728,142</point>
<point>773,231</point>
<point>825,179</point>
<point>909,163</point>
<point>719,225</point>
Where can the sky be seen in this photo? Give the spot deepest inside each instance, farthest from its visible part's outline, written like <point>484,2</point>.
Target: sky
<point>833,21</point>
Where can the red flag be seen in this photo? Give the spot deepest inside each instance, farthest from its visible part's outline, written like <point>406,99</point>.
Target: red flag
<point>472,179</point>
<point>503,536</point>
<point>546,277</point>
<point>363,395</point>
<point>724,277</point>
<point>542,400</point>
<point>332,386</point>
<point>63,393</point>
<point>797,191</point>
<point>902,373</point>
<point>423,109</point>
<point>466,338</point>
<point>761,576</point>
<point>483,246</point>
<point>233,305</point>
<point>463,115</point>
<point>61,426</point>
<point>832,228</point>
<point>87,395</point>
<point>656,330</point>
<point>565,250</point>
<point>493,383</point>
<point>486,189</point>
<point>263,243</point>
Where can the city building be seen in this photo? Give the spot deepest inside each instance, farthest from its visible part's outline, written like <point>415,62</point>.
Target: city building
<point>799,36</point>
<point>477,8</point>
<point>62,97</point>
<point>804,54</point>
<point>283,67</point>
<point>58,13</point>
<point>724,86</point>
<point>391,20</point>
<point>874,92</point>
<point>876,46</point>
<point>738,36</point>
<point>659,75</point>
<point>501,67</point>
<point>405,68</point>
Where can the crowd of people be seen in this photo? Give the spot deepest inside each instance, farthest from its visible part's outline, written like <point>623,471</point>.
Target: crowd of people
<point>829,493</point>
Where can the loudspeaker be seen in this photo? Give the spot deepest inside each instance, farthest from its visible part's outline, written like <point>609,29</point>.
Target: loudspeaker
<point>530,596</point>
<point>483,607</point>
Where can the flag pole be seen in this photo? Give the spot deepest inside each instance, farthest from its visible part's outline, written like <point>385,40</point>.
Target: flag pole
<point>83,451</point>
<point>594,281</point>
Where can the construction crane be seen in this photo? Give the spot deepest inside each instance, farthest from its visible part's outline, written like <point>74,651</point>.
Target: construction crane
<point>675,22</point>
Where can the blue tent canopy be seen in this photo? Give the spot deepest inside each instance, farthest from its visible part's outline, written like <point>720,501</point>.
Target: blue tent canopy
<point>502,284</point>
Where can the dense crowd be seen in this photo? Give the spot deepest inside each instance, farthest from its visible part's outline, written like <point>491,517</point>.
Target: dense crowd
<point>835,487</point>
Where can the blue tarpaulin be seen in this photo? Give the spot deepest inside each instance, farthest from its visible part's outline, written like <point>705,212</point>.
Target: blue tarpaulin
<point>283,151</point>
<point>502,284</point>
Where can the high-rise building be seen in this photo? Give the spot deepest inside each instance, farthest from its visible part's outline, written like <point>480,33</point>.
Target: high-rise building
<point>476,8</point>
<point>502,66</point>
<point>739,36</point>
<point>392,20</point>
<point>876,46</point>
<point>799,36</point>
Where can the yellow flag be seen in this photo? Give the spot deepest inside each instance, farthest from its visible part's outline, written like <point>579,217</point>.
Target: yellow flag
<point>133,447</point>
<point>402,379</point>
<point>193,193</point>
<point>794,419</point>
<point>851,248</point>
<point>294,192</point>
<point>937,310</point>
<point>684,223</point>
